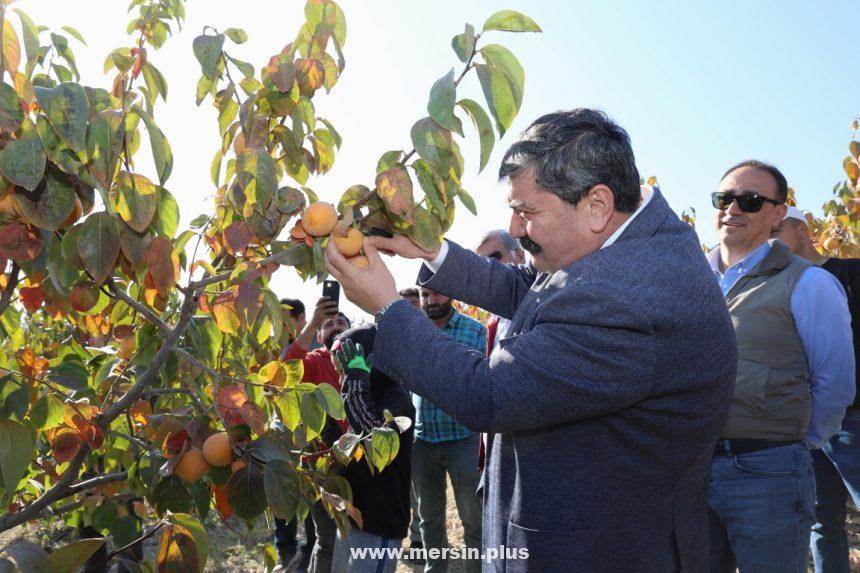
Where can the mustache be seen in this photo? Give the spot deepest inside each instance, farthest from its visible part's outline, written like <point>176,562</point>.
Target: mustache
<point>530,246</point>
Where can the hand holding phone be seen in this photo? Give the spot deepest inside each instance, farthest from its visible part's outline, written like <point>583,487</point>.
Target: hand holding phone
<point>331,291</point>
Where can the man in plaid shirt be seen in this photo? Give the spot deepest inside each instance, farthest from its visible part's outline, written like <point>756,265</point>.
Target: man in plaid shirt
<point>445,446</point>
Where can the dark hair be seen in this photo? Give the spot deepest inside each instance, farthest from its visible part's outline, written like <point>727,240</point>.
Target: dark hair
<point>297,307</point>
<point>411,291</point>
<point>778,177</point>
<point>572,151</point>
<point>343,316</point>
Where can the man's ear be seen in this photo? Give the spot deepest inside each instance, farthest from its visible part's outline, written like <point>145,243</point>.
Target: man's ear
<point>600,205</point>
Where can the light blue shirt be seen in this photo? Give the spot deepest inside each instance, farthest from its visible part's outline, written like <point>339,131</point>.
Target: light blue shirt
<point>820,311</point>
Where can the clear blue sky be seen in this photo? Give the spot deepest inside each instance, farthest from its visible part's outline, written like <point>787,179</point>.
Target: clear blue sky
<point>699,86</point>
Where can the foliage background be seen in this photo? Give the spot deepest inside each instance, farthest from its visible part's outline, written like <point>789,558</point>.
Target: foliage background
<point>698,86</point>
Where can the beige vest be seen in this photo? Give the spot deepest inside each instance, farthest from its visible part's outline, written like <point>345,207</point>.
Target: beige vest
<point>771,399</point>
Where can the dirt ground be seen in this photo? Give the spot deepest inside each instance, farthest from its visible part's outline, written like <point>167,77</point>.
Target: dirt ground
<point>240,550</point>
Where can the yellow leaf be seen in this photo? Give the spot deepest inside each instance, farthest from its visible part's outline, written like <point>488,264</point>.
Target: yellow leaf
<point>11,48</point>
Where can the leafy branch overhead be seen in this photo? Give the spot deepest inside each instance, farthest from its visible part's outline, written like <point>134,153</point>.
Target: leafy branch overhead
<point>139,359</point>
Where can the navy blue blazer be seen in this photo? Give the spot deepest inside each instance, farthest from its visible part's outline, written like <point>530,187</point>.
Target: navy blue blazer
<point>605,399</point>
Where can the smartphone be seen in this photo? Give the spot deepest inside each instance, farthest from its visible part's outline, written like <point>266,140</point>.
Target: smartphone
<point>331,291</point>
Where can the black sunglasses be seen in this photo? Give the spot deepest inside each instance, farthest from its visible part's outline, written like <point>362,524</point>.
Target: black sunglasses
<point>748,201</point>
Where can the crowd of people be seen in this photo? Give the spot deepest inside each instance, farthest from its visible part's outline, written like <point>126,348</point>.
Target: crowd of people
<point>632,404</point>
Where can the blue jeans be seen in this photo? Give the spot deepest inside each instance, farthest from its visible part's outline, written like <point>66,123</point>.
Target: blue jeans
<point>345,563</point>
<point>837,475</point>
<point>430,463</point>
<point>761,510</point>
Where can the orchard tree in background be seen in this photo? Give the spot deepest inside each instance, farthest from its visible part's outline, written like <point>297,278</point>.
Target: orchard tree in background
<point>142,363</point>
<point>837,234</point>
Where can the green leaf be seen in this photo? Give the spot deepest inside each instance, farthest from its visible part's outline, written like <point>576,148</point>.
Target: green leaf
<point>205,338</point>
<point>14,398</point>
<point>511,21</point>
<point>228,108</point>
<point>385,444</point>
<point>351,196</point>
<point>166,220</point>
<point>441,104</point>
<point>238,35</point>
<point>433,143</point>
<point>11,47</point>
<point>197,532</point>
<point>330,400</point>
<point>467,201</point>
<point>75,34</point>
<point>207,50</point>
<point>46,413</point>
<point>281,483</point>
<point>104,516</point>
<point>324,144</point>
<point>52,202</point>
<point>31,39</point>
<point>104,146</point>
<point>161,152</point>
<point>170,494</point>
<point>485,129</point>
<point>388,160</point>
<point>502,58</point>
<point>16,447</point>
<point>344,447</point>
<point>430,185</point>
<point>67,108</point>
<point>135,198</point>
<point>246,492</point>
<point>288,409</point>
<point>11,112</point>
<point>154,81</point>
<point>500,98</point>
<point>98,245</point>
<point>125,530</point>
<point>255,170</point>
<point>313,415</point>
<point>71,374</point>
<point>23,160</point>
<point>69,558</point>
<point>464,44</point>
<point>426,232</point>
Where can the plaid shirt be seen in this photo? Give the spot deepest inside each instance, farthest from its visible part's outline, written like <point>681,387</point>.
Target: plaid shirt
<point>431,423</point>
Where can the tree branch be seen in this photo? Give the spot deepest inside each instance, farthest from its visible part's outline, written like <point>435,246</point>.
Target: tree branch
<point>62,488</point>
<point>120,294</point>
<point>11,283</point>
<point>82,486</point>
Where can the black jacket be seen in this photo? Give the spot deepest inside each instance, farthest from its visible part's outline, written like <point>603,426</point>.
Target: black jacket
<point>383,497</point>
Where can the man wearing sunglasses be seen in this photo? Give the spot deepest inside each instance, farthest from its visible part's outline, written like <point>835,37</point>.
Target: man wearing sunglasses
<point>795,378</point>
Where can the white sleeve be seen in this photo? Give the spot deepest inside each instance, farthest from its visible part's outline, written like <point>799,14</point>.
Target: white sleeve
<point>436,263</point>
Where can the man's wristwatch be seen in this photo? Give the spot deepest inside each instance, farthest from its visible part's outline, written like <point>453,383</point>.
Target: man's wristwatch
<point>378,316</point>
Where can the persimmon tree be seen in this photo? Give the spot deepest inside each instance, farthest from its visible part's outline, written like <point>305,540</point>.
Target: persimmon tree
<point>140,363</point>
<point>838,232</point>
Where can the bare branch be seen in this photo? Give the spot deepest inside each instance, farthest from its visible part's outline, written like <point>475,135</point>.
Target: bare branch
<point>11,283</point>
<point>82,486</point>
<point>120,294</point>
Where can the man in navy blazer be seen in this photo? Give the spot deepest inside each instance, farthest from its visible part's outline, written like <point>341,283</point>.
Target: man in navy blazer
<point>607,395</point>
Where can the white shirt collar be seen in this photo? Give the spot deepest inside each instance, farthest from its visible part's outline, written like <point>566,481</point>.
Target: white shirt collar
<point>647,194</point>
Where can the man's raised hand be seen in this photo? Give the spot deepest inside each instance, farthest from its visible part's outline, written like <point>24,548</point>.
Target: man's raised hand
<point>369,288</point>
<point>403,246</point>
